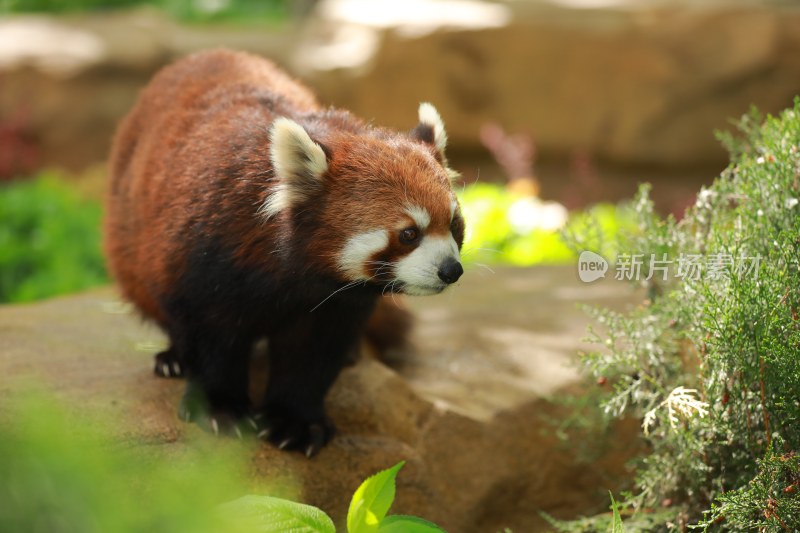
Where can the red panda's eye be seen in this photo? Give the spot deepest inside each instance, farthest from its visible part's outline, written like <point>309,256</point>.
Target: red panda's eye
<point>457,226</point>
<point>409,235</point>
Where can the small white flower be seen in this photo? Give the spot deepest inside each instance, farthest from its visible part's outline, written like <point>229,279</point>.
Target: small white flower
<point>704,198</point>
<point>791,202</point>
<point>680,403</point>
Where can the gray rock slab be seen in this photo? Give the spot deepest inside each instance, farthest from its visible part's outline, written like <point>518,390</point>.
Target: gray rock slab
<point>465,410</point>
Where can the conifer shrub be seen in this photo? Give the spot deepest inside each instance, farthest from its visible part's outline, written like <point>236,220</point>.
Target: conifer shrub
<point>710,362</point>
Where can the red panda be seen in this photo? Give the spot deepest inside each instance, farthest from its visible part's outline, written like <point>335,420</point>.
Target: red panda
<point>240,209</point>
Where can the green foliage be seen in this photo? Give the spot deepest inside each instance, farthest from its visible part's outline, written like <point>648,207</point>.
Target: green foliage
<point>407,524</point>
<point>266,514</point>
<point>372,500</point>
<point>769,501</point>
<point>492,236</point>
<point>367,513</point>
<point>59,6</point>
<point>187,10</point>
<point>238,11</point>
<point>49,240</point>
<point>60,472</point>
<point>616,519</point>
<point>709,362</point>
<point>642,521</point>
<point>67,473</point>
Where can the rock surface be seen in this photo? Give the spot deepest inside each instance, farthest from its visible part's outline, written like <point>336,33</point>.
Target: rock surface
<point>632,82</point>
<point>70,79</point>
<point>466,411</point>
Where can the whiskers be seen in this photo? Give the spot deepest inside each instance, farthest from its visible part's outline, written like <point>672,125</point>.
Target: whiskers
<point>473,249</point>
<point>485,267</point>
<point>392,284</point>
<point>340,289</point>
<point>469,265</point>
<point>382,268</point>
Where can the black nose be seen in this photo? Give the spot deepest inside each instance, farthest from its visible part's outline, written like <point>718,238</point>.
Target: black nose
<point>450,271</point>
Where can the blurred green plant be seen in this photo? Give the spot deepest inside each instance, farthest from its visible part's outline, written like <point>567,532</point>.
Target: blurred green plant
<point>61,6</point>
<point>616,519</point>
<point>63,472</point>
<point>709,362</point>
<point>505,228</point>
<point>367,513</point>
<point>49,240</point>
<point>613,522</point>
<point>186,10</point>
<point>68,473</point>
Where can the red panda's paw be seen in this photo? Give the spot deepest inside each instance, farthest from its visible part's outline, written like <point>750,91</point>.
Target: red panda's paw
<point>231,421</point>
<point>168,364</point>
<point>296,433</point>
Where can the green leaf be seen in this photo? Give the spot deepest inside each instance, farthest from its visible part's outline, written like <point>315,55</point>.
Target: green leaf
<point>407,524</point>
<point>265,514</point>
<point>372,500</point>
<point>616,524</point>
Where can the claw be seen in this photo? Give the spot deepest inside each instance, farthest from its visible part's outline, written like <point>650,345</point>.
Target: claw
<point>165,370</point>
<point>215,426</point>
<point>285,443</point>
<point>311,450</point>
<point>238,432</point>
<point>264,434</point>
<point>317,437</point>
<point>176,369</point>
<point>251,421</point>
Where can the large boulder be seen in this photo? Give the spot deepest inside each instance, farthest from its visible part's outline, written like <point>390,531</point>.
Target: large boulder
<point>628,82</point>
<point>631,82</point>
<point>69,80</point>
<point>467,411</point>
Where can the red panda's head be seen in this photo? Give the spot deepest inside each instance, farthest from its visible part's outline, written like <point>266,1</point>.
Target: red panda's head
<point>379,206</point>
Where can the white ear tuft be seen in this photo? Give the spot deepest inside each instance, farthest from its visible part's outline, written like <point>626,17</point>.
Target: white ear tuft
<point>430,117</point>
<point>431,121</point>
<point>299,163</point>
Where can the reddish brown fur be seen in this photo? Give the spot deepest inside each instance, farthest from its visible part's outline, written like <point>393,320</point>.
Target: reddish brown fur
<point>377,189</point>
<point>139,245</point>
<point>188,242</point>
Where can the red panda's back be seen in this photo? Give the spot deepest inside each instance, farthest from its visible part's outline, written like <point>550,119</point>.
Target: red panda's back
<point>147,178</point>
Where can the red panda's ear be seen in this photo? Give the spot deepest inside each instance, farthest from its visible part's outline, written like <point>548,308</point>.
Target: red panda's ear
<point>431,130</point>
<point>299,164</point>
